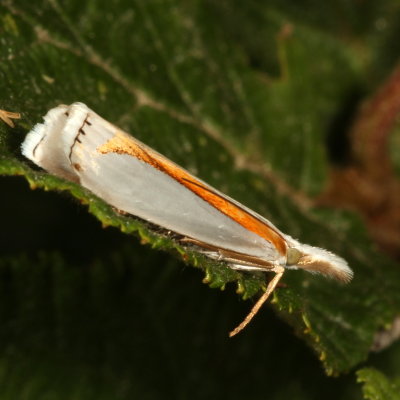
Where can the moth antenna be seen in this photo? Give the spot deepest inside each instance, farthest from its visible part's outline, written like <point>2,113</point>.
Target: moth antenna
<point>270,288</point>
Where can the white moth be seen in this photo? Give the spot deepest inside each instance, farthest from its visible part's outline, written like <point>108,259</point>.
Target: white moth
<point>77,144</point>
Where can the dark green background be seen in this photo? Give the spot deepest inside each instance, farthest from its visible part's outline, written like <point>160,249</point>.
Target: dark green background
<point>221,89</point>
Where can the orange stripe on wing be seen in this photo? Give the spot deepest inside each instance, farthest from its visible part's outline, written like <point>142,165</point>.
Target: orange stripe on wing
<point>123,144</point>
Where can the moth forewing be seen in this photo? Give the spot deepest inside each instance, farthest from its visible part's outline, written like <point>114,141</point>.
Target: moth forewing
<point>77,144</point>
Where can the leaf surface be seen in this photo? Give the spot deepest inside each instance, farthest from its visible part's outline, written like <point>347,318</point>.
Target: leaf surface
<point>246,111</point>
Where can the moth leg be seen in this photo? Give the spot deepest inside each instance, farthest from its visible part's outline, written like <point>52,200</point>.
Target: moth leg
<point>8,116</point>
<point>270,288</point>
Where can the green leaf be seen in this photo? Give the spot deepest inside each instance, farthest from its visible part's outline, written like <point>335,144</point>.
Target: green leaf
<point>112,328</point>
<point>376,386</point>
<point>246,109</point>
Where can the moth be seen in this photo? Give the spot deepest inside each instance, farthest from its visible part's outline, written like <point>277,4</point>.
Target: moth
<point>77,144</point>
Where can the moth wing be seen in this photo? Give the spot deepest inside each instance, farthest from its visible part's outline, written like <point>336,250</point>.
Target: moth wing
<point>75,143</point>
<point>136,187</point>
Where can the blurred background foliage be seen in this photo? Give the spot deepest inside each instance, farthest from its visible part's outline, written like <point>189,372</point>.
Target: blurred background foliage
<point>289,107</point>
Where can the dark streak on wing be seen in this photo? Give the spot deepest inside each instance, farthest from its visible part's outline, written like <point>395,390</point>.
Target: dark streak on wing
<point>35,148</point>
<point>229,256</point>
<point>224,255</point>
<point>80,132</point>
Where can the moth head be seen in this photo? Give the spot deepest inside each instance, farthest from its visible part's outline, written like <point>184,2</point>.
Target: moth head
<point>317,260</point>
